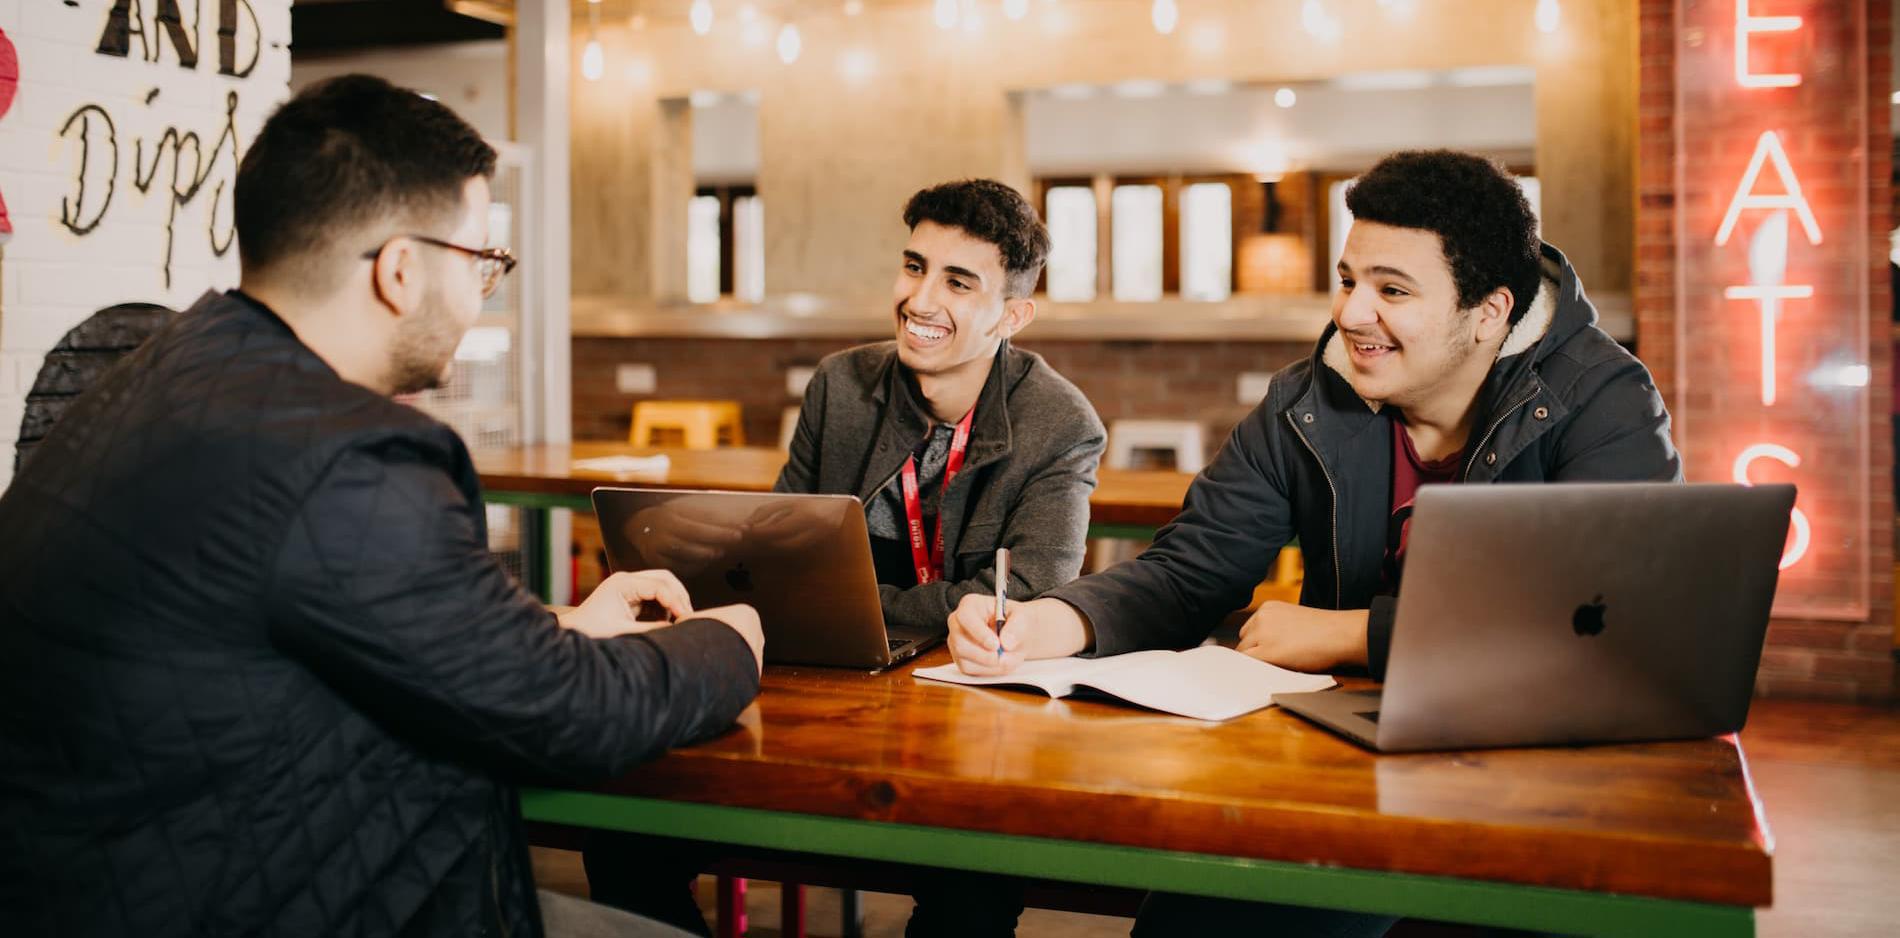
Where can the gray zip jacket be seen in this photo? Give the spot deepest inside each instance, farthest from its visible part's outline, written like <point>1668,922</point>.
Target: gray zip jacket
<point>1313,462</point>
<point>1034,446</point>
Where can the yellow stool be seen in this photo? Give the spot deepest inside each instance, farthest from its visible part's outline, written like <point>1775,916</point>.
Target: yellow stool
<point>703,423</point>
<point>1289,573</point>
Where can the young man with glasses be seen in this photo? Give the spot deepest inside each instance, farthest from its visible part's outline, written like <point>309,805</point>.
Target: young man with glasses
<point>258,671</point>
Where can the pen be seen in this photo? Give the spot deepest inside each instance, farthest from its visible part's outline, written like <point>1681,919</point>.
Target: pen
<point>1002,602</point>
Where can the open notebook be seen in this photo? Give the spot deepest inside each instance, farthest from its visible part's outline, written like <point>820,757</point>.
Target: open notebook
<point>1207,683</point>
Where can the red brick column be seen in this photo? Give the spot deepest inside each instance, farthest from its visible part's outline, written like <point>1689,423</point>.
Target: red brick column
<point>1825,658</point>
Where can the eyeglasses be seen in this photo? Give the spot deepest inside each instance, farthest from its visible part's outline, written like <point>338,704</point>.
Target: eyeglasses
<point>492,263</point>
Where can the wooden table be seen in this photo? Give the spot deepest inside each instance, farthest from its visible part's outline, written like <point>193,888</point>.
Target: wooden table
<point>538,478</point>
<point>1662,839</point>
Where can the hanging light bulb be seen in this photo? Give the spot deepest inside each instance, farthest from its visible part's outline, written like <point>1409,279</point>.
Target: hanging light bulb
<point>789,44</point>
<point>1549,16</point>
<point>972,17</point>
<point>1285,98</point>
<point>593,59</point>
<point>1320,22</point>
<point>1015,9</point>
<point>857,65</point>
<point>1166,15</point>
<point>755,32</point>
<point>947,14</point>
<point>701,13</point>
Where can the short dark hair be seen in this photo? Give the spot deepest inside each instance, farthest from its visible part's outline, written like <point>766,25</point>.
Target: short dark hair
<point>1481,217</point>
<point>989,211</point>
<point>343,153</point>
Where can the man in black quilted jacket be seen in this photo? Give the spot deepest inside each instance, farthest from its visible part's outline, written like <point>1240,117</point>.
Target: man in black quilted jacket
<point>258,673</point>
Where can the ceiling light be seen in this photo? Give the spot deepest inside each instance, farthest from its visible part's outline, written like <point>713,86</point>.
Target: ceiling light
<point>701,13</point>
<point>1319,22</point>
<point>1015,9</point>
<point>789,43</point>
<point>1285,97</point>
<point>857,64</point>
<point>1549,16</point>
<point>946,14</point>
<point>754,30</point>
<point>1165,15</point>
<point>593,61</point>
<point>972,17</point>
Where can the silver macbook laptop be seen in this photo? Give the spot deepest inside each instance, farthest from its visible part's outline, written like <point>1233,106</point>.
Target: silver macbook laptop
<point>803,561</point>
<point>1572,613</point>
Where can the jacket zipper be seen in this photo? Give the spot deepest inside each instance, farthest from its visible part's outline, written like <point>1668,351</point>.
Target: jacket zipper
<point>1335,490</point>
<point>1486,439</point>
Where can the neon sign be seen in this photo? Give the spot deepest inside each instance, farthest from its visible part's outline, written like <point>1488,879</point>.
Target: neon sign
<point>1797,521</point>
<point>1746,23</point>
<point>1773,271</point>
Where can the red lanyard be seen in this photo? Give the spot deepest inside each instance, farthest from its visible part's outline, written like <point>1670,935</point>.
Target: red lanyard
<point>929,560</point>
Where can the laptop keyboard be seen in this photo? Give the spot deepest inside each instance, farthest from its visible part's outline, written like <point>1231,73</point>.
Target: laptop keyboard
<point>897,643</point>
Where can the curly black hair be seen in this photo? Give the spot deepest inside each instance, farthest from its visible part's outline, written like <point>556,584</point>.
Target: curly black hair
<point>1474,206</point>
<point>346,152</point>
<point>989,211</point>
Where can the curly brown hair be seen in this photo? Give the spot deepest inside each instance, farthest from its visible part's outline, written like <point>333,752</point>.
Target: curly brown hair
<point>989,211</point>
<point>1481,217</point>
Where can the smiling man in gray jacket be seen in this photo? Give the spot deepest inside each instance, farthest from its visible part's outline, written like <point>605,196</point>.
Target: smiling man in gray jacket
<point>1461,350</point>
<point>957,444</point>
<point>1001,448</point>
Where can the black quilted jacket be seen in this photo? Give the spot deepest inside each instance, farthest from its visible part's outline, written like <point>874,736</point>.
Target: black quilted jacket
<point>260,676</point>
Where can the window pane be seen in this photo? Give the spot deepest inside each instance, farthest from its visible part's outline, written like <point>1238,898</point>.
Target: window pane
<point>1534,194</point>
<point>1336,236</point>
<point>1207,241</point>
<point>1071,267</point>
<point>1135,223</point>
<point>702,249</point>
<point>748,248</point>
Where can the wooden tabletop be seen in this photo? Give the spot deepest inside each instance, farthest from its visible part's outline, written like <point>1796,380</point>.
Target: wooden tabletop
<point>1121,496</point>
<point>1674,820</point>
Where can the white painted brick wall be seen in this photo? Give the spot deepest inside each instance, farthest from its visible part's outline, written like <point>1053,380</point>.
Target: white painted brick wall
<point>50,278</point>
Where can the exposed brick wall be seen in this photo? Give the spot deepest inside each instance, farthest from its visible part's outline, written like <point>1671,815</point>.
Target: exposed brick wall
<point>1834,659</point>
<point>118,249</point>
<point>1162,380</point>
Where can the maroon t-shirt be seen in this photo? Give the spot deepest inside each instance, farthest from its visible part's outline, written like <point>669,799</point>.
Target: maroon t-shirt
<point>1408,473</point>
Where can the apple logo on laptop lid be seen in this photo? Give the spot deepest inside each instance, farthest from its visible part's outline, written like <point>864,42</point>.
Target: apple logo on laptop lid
<point>1588,619</point>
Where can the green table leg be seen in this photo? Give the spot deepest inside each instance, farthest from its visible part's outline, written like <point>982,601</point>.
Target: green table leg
<point>1559,911</point>
<point>538,555</point>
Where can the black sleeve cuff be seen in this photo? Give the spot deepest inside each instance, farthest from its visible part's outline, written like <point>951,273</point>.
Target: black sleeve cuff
<point>718,659</point>
<point>1379,634</point>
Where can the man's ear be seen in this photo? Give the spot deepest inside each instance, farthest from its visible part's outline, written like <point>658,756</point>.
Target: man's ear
<point>1017,315</point>
<point>1494,316</point>
<point>395,277</point>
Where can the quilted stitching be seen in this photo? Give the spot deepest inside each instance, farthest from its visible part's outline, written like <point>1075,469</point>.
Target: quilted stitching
<point>259,676</point>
